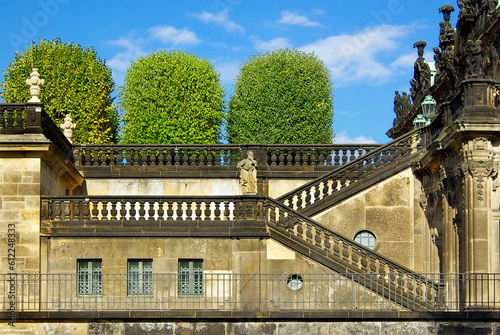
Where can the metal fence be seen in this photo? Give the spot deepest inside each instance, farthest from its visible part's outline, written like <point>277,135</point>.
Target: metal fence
<point>240,292</point>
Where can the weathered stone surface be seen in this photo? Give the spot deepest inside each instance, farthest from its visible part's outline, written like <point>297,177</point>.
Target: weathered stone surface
<point>150,328</point>
<point>407,328</point>
<point>455,328</point>
<point>250,328</point>
<point>106,328</point>
<point>202,328</point>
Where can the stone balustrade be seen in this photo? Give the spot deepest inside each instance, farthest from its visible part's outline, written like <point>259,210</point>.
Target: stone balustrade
<point>331,187</point>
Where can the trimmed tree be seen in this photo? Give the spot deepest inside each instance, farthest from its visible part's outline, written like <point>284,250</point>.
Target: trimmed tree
<point>284,96</point>
<point>77,82</point>
<point>172,97</point>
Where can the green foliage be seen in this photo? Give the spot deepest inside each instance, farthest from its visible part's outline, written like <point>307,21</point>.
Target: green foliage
<point>284,96</point>
<point>172,97</point>
<point>77,82</point>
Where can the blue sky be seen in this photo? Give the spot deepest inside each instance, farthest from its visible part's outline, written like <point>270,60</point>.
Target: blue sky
<point>367,45</point>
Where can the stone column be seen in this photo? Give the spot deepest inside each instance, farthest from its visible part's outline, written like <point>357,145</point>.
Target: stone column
<point>476,245</point>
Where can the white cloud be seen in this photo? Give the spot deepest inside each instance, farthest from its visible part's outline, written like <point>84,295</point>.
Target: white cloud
<point>221,19</point>
<point>275,43</point>
<point>343,138</point>
<point>317,11</point>
<point>227,69</point>
<point>405,61</point>
<point>355,57</point>
<point>296,20</point>
<point>121,61</point>
<point>173,35</point>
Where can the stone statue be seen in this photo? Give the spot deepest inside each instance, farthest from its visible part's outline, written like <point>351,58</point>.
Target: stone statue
<point>446,10</point>
<point>68,126</point>
<point>467,8</point>
<point>422,73</point>
<point>248,174</point>
<point>398,108</point>
<point>490,6</point>
<point>474,59</point>
<point>34,82</point>
<point>405,104</point>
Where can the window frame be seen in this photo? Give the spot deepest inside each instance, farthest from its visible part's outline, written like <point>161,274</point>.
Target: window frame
<point>91,278</point>
<point>141,278</point>
<point>371,236</point>
<point>193,277</point>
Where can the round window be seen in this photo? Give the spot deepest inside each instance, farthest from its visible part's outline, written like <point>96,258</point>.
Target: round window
<point>366,239</point>
<point>295,282</point>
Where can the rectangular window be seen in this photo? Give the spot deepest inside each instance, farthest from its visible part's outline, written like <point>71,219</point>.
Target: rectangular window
<point>89,277</point>
<point>190,277</point>
<point>140,277</point>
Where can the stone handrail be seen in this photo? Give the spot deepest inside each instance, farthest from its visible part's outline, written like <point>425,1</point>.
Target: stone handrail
<point>331,187</point>
<point>219,154</point>
<point>149,208</point>
<point>30,118</point>
<point>348,256</point>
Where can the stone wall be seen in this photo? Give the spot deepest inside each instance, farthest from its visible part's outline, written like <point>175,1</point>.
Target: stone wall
<point>243,327</point>
<point>390,212</point>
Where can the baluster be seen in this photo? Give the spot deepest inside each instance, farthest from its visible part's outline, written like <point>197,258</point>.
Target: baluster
<point>95,210</point>
<point>298,202</point>
<point>119,158</point>
<point>10,120</point>
<point>321,157</point>
<point>318,237</point>
<point>104,211</point>
<point>226,210</point>
<point>217,158</point>
<point>209,157</point>
<point>197,210</point>
<point>217,211</point>
<point>297,157</point>
<point>132,211</point>
<point>144,156</point>
<point>192,157</point>
<point>185,157</point>
<point>317,191</point>
<point>177,158</point>
<point>329,157</point>
<point>151,210</point>
<point>289,157</point>
<point>336,157</point>
<point>308,196</point>
<point>181,210</point>
<point>313,157</point>
<point>300,229</point>
<point>114,212</point>
<point>309,233</point>
<point>189,210</point>
<point>168,159</point>
<point>333,187</point>
<point>76,210</point>
<point>355,258</point>
<point>337,249</point>
<point>281,158</point>
<point>170,210</point>
<point>208,210</point>
<point>273,157</point>
<point>66,211</point>
<point>326,243</point>
<point>161,210</point>
<point>142,210</point>
<point>88,159</point>
<point>112,157</point>
<point>161,157</point>
<point>135,159</point>
<point>344,157</point>
<point>102,160</point>
<point>85,210</point>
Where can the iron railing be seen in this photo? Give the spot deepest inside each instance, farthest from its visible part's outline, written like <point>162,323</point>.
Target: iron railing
<point>253,292</point>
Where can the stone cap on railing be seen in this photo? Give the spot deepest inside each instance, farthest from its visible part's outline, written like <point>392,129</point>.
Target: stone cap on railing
<point>30,118</point>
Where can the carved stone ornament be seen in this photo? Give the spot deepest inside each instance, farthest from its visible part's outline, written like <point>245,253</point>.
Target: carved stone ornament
<point>422,73</point>
<point>248,174</point>
<point>479,171</point>
<point>480,143</point>
<point>467,8</point>
<point>34,82</point>
<point>67,127</point>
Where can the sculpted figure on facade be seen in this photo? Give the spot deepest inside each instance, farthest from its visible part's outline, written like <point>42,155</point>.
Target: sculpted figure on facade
<point>34,82</point>
<point>248,174</point>
<point>467,8</point>
<point>398,107</point>
<point>490,6</point>
<point>67,127</point>
<point>421,74</point>
<point>475,59</point>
